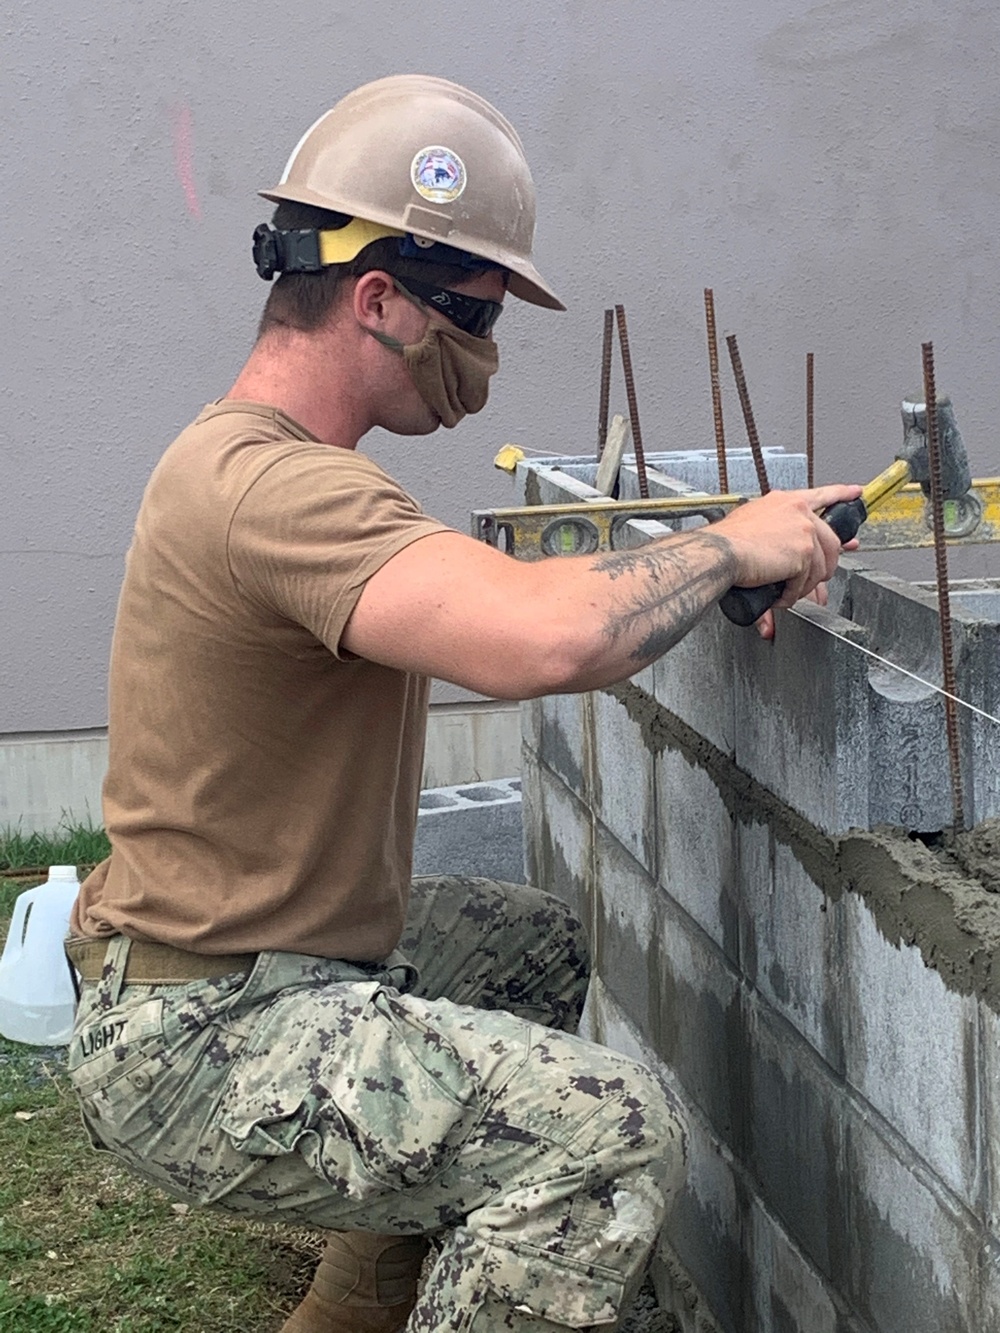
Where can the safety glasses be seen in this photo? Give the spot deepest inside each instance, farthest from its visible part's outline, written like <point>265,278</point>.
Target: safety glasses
<point>471,314</point>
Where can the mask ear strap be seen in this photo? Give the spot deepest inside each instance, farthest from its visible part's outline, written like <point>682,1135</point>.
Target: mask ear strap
<point>393,343</point>
<point>384,338</point>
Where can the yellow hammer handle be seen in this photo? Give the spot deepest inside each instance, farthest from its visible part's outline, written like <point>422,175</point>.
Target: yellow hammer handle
<point>885,484</point>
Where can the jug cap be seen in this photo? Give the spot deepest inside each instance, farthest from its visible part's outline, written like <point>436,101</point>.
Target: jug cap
<point>62,872</point>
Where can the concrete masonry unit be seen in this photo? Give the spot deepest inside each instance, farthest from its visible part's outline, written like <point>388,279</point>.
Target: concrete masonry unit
<point>753,832</point>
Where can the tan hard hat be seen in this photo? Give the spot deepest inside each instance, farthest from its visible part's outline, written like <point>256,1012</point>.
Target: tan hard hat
<point>431,158</point>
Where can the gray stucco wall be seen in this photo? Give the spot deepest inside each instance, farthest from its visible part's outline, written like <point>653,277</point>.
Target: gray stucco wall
<point>831,170</point>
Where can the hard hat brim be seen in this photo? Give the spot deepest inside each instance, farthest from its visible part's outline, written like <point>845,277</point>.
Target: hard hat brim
<point>526,284</point>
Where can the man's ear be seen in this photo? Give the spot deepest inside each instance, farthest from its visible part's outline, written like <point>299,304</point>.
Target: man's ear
<point>373,294</point>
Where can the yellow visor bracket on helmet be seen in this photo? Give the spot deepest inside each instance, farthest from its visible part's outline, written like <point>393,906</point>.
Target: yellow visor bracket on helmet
<point>306,250</point>
<point>346,243</point>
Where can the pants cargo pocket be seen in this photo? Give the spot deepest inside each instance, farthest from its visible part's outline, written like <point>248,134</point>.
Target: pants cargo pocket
<point>113,1060</point>
<point>553,1286</point>
<point>359,1082</point>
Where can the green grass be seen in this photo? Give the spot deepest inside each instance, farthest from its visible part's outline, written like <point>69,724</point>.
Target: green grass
<point>87,1248</point>
<point>9,890</point>
<point>70,844</point>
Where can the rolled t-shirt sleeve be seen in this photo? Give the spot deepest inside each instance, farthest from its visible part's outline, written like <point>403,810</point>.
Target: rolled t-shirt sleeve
<point>312,528</point>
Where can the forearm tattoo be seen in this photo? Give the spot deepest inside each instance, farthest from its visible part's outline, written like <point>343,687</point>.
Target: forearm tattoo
<point>675,580</point>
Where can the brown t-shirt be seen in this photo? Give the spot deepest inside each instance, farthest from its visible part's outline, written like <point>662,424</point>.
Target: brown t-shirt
<point>262,786</point>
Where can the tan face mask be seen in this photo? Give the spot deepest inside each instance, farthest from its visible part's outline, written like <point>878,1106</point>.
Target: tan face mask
<point>450,368</point>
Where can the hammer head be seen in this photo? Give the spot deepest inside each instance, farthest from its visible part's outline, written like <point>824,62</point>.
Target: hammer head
<point>955,475</point>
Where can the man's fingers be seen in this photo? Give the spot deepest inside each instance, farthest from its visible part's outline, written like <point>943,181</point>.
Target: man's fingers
<point>818,567</point>
<point>783,537</point>
<point>822,497</point>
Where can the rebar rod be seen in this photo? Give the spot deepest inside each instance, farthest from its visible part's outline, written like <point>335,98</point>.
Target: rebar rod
<point>713,370</point>
<point>633,406</point>
<point>810,422</point>
<point>751,425</point>
<point>943,592</point>
<point>602,411</point>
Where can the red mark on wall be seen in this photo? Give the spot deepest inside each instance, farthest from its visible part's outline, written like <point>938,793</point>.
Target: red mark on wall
<point>183,135</point>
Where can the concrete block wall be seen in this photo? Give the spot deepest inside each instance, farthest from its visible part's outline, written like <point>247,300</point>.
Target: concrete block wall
<point>558,479</point>
<point>817,985</point>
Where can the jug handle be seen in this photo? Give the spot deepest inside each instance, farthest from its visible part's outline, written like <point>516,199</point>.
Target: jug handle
<point>19,917</point>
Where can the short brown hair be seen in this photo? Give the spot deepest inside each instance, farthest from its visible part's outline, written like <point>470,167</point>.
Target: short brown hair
<point>303,301</point>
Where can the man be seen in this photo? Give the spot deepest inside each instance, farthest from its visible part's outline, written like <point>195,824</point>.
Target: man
<point>273,1022</point>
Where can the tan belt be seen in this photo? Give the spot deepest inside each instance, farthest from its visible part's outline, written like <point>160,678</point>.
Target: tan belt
<point>151,964</point>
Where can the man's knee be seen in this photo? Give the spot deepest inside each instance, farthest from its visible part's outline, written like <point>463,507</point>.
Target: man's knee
<point>557,956</point>
<point>644,1140</point>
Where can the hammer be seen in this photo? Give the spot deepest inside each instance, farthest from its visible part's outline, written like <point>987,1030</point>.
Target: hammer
<point>744,606</point>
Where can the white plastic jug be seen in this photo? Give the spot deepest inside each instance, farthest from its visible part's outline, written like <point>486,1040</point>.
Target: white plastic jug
<point>37,1000</point>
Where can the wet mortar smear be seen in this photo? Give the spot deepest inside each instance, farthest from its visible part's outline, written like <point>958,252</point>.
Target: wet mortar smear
<point>945,901</point>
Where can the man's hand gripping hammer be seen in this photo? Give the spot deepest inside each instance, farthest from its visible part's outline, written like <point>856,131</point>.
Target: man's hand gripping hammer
<point>744,606</point>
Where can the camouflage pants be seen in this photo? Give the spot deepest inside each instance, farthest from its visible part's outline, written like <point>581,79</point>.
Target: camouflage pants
<point>420,1095</point>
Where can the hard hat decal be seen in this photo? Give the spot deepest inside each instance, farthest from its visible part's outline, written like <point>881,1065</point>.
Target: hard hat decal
<point>438,175</point>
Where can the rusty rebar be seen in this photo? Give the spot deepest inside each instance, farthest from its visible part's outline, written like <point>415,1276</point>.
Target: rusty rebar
<point>602,411</point>
<point>943,592</point>
<point>713,371</point>
<point>633,406</point>
<point>751,425</point>
<point>810,422</point>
